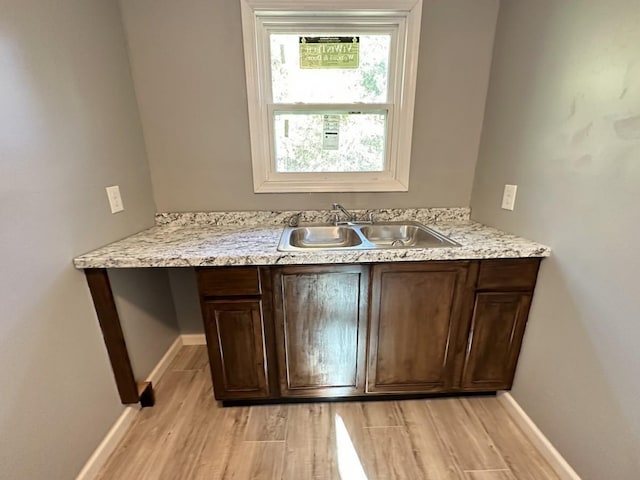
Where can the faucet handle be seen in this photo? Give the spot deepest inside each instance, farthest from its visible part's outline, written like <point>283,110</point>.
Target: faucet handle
<point>294,220</point>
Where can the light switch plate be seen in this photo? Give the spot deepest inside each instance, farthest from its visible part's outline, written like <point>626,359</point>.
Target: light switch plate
<point>115,200</point>
<point>509,197</point>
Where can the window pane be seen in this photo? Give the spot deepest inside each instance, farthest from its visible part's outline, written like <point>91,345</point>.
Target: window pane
<point>330,142</point>
<point>367,83</point>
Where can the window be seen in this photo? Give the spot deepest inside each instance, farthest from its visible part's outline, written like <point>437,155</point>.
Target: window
<point>331,87</point>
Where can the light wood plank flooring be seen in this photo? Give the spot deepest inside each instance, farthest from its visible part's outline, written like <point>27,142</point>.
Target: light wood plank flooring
<point>187,435</point>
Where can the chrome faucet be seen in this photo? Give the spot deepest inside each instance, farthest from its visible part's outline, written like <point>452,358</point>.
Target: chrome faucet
<point>351,217</point>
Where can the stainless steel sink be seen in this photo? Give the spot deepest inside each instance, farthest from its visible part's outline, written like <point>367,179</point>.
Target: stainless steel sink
<point>324,237</point>
<point>404,235</point>
<point>362,237</point>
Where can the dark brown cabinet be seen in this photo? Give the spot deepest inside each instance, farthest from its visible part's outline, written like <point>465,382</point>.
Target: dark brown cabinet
<point>235,331</point>
<point>497,328</point>
<point>237,328</point>
<point>501,307</point>
<point>319,331</point>
<point>415,320</point>
<point>320,315</point>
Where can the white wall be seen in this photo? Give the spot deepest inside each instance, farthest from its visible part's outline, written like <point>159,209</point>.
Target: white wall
<point>563,123</point>
<point>188,68</point>
<point>68,127</point>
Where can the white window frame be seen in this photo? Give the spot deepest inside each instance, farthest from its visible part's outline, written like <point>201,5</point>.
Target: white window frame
<point>258,16</point>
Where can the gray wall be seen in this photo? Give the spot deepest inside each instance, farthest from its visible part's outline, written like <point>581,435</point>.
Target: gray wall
<point>188,68</point>
<point>145,304</point>
<point>68,128</point>
<point>185,296</point>
<point>563,123</point>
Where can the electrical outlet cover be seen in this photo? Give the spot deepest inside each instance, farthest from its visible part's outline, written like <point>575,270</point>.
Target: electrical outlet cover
<point>509,197</point>
<point>115,200</point>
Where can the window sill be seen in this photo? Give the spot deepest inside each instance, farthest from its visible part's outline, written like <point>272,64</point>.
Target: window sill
<point>345,183</point>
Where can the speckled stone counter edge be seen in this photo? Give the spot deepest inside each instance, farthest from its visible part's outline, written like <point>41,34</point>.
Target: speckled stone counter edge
<point>245,218</point>
<point>225,245</point>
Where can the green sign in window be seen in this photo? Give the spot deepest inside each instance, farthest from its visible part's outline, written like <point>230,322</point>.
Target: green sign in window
<point>329,52</point>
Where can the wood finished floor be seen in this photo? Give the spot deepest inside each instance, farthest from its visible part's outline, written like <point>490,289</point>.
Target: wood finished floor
<point>187,435</point>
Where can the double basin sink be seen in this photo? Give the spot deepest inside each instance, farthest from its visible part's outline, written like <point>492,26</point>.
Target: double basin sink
<point>362,237</point>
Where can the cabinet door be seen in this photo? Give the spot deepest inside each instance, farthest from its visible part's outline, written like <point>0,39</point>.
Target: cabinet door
<point>320,315</point>
<point>235,341</point>
<point>497,329</point>
<point>415,316</point>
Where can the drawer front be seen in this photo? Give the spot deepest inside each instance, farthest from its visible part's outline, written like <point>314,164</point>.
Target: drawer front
<point>229,281</point>
<point>508,274</point>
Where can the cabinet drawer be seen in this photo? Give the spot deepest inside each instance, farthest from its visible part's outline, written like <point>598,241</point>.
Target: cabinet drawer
<point>229,281</point>
<point>508,274</point>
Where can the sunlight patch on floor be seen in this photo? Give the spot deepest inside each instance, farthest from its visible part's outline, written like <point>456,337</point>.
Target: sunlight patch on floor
<point>349,464</point>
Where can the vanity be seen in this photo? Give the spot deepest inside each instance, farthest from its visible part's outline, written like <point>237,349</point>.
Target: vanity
<point>312,323</point>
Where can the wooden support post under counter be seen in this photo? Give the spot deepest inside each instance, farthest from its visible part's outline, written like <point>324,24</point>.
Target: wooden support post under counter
<point>129,390</point>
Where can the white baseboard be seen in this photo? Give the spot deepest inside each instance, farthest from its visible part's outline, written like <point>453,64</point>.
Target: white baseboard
<point>193,339</point>
<point>122,424</point>
<point>537,438</point>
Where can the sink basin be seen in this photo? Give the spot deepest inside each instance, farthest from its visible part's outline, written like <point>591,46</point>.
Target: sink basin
<point>324,237</point>
<point>362,237</point>
<point>404,235</point>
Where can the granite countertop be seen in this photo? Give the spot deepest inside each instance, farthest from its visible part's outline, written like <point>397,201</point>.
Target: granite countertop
<point>251,238</point>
